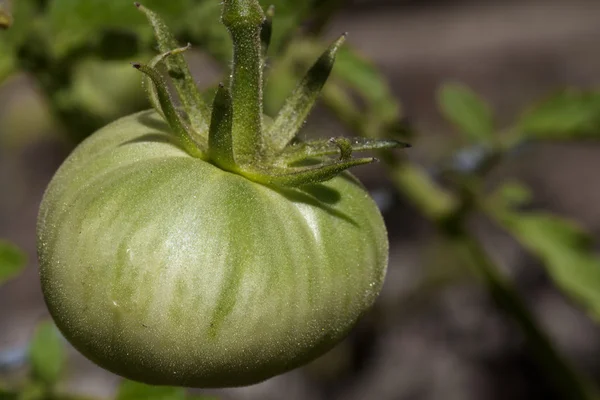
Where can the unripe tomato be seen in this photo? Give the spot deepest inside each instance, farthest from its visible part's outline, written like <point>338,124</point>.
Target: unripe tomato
<point>165,269</point>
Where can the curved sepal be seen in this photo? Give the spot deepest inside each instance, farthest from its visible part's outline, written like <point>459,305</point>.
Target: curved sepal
<point>298,176</point>
<point>297,152</point>
<point>179,71</point>
<point>147,82</point>
<point>166,104</point>
<point>299,104</point>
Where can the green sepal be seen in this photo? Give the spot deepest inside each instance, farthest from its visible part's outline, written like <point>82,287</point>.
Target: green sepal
<point>147,81</point>
<point>299,104</point>
<point>323,147</point>
<point>299,176</point>
<point>235,139</point>
<point>220,146</point>
<point>191,99</point>
<point>171,115</point>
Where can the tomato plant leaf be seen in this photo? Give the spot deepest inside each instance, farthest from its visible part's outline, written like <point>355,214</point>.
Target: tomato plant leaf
<point>515,193</point>
<point>12,260</point>
<point>362,76</point>
<point>46,354</point>
<point>8,62</point>
<point>5,17</point>
<point>564,248</point>
<point>570,114</point>
<point>130,390</point>
<point>22,14</point>
<point>467,111</point>
<point>73,22</point>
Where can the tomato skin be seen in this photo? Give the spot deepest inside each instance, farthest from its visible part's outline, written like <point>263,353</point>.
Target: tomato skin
<point>164,269</point>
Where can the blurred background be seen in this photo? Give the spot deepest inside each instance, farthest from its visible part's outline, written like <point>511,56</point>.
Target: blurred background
<point>437,331</point>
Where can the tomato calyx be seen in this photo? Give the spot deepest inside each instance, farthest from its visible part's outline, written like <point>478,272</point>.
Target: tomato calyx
<point>233,135</point>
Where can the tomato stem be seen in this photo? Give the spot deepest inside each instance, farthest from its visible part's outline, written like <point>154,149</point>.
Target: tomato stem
<point>244,19</point>
<point>234,139</point>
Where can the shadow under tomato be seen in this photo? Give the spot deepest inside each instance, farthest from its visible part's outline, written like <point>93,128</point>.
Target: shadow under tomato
<point>152,120</point>
<point>317,195</point>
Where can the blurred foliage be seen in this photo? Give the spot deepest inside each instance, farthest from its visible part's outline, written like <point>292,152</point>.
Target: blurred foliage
<point>130,390</point>
<point>12,260</point>
<point>469,113</point>
<point>46,355</point>
<point>568,115</point>
<point>564,248</point>
<point>71,48</point>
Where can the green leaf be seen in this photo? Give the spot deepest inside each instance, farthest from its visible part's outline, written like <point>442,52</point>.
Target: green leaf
<point>74,22</point>
<point>570,114</point>
<point>6,394</point>
<point>8,62</point>
<point>564,248</point>
<point>5,17</point>
<point>12,260</point>
<point>130,390</point>
<point>23,15</point>
<point>467,111</point>
<point>31,391</point>
<point>360,75</point>
<point>46,354</point>
<point>515,193</point>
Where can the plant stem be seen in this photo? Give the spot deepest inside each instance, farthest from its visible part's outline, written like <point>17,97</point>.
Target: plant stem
<point>560,372</point>
<point>449,213</point>
<point>244,20</point>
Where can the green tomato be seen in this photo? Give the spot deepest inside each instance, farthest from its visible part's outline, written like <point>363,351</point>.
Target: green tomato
<point>165,269</point>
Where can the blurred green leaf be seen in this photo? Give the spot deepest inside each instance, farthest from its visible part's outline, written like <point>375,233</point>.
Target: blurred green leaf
<point>12,260</point>
<point>515,193</point>
<point>564,248</point>
<point>570,114</point>
<point>364,78</point>
<point>130,390</point>
<point>46,354</point>
<point>32,391</point>
<point>73,22</point>
<point>89,89</point>
<point>6,394</point>
<point>23,20</point>
<point>8,62</point>
<point>467,111</point>
<point>5,17</point>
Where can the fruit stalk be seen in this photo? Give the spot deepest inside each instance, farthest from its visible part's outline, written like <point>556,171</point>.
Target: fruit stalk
<point>244,20</point>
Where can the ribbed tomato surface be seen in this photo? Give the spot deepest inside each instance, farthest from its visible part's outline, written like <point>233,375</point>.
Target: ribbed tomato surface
<point>165,269</point>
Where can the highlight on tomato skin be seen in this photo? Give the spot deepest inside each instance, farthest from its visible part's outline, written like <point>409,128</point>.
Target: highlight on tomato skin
<point>206,246</point>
